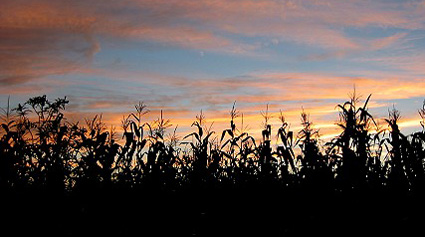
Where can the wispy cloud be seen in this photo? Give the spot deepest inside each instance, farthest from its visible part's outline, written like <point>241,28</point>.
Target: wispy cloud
<point>41,39</point>
<point>36,37</point>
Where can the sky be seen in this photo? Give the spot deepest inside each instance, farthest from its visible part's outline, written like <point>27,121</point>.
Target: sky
<point>184,56</point>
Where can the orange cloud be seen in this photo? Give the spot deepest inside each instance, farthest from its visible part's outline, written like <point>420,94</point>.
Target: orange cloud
<point>38,37</point>
<point>298,86</point>
<point>261,88</point>
<point>41,39</point>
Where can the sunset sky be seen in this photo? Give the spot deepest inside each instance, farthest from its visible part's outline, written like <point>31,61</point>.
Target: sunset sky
<point>182,56</point>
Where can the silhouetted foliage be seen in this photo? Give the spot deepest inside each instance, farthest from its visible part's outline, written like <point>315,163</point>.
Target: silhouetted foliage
<point>76,179</point>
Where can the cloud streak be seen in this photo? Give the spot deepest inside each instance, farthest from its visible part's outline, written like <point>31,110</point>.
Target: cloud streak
<point>39,36</point>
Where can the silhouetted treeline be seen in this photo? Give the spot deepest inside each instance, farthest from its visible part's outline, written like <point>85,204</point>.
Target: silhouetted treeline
<point>67,178</point>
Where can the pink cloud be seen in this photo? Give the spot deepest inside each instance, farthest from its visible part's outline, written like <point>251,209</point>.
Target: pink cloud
<point>45,34</point>
<point>387,41</point>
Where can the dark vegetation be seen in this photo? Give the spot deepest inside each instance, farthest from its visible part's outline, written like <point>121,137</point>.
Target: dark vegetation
<point>59,178</point>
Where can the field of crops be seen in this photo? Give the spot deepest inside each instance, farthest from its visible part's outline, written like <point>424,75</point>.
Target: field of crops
<point>64,179</point>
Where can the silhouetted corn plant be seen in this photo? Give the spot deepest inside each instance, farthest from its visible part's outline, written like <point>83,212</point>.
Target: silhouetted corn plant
<point>97,153</point>
<point>398,154</point>
<point>353,144</point>
<point>417,155</point>
<point>267,162</point>
<point>12,147</point>
<point>285,151</point>
<point>200,148</point>
<point>316,169</point>
<point>238,151</point>
<point>307,140</point>
<point>131,162</point>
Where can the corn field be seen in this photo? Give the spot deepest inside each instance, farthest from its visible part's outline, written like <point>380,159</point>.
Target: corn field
<point>66,179</point>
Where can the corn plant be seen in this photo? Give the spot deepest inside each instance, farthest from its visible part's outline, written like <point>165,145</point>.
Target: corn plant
<point>200,147</point>
<point>241,147</point>
<point>285,151</point>
<point>354,142</point>
<point>267,161</point>
<point>398,153</point>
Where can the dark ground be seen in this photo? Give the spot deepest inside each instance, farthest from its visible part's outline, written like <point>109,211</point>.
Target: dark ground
<point>253,212</point>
